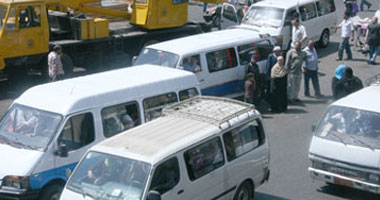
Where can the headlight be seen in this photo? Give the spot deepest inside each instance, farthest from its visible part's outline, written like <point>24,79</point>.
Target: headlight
<point>374,178</point>
<point>316,164</point>
<point>18,182</point>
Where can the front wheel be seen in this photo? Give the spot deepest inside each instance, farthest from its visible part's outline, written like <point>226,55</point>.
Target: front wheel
<point>244,192</point>
<point>51,192</point>
<point>325,39</point>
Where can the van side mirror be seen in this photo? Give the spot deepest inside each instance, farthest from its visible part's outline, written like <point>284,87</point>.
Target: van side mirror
<point>154,195</point>
<point>61,151</point>
<point>313,128</point>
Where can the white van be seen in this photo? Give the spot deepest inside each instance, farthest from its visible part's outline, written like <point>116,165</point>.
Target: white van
<point>345,149</point>
<point>274,17</point>
<point>49,127</point>
<point>218,58</point>
<point>202,148</point>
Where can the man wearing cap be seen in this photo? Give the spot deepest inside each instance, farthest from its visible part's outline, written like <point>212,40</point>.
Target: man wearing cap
<point>55,64</point>
<point>271,61</point>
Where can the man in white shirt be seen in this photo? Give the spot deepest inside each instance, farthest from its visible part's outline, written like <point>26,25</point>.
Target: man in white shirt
<point>298,33</point>
<point>377,15</point>
<point>55,64</point>
<point>347,29</point>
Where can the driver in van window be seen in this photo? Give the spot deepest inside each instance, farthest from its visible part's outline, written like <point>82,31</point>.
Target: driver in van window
<point>127,121</point>
<point>212,62</point>
<point>105,171</point>
<point>191,64</point>
<point>164,178</point>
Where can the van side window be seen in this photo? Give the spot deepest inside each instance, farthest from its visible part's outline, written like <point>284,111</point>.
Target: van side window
<point>221,59</point>
<point>260,50</point>
<point>289,17</point>
<point>325,7</point>
<point>186,94</point>
<point>240,141</point>
<point>192,63</point>
<point>116,119</point>
<point>78,132</point>
<point>166,176</point>
<point>204,158</point>
<point>154,105</point>
<point>308,12</point>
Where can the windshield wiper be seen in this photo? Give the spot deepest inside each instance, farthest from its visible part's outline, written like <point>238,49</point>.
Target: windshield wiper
<point>337,136</point>
<point>361,142</point>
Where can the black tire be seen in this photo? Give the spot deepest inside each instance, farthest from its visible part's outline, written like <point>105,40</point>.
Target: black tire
<point>44,70</point>
<point>244,192</point>
<point>51,192</point>
<point>325,39</point>
<point>68,65</point>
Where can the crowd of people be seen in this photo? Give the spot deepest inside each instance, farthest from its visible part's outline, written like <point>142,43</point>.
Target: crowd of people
<point>283,76</point>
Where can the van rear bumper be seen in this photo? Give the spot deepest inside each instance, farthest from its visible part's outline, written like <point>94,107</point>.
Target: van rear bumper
<point>329,177</point>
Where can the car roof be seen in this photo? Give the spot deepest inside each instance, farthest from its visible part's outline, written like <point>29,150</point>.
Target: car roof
<point>364,99</point>
<point>106,88</point>
<point>182,125</point>
<point>206,41</point>
<point>282,3</point>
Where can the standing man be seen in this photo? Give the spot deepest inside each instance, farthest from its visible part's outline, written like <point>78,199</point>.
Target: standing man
<point>310,69</point>
<point>254,69</point>
<point>348,84</point>
<point>368,4</point>
<point>349,4</point>
<point>55,64</point>
<point>347,30</point>
<point>294,59</point>
<point>298,32</point>
<point>373,40</point>
<point>271,61</point>
<point>249,88</point>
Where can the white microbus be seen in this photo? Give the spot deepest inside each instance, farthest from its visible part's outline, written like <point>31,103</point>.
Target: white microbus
<point>49,127</point>
<point>201,148</point>
<point>345,149</point>
<point>217,58</point>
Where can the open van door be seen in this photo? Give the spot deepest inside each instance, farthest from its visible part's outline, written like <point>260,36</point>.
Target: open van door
<point>228,16</point>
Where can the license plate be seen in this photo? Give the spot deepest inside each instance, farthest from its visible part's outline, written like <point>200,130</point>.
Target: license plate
<point>343,182</point>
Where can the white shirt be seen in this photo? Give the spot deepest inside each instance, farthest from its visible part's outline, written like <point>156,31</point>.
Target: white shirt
<point>377,14</point>
<point>347,28</point>
<point>55,65</point>
<point>298,33</point>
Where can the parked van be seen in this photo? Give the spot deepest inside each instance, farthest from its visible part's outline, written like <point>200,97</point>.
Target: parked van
<point>345,149</point>
<point>218,58</point>
<point>274,18</point>
<point>49,127</point>
<point>202,148</point>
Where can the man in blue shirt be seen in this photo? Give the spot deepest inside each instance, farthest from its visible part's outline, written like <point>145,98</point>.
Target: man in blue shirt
<point>310,69</point>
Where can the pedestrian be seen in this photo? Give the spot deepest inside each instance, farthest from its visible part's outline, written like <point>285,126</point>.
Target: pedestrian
<point>205,7</point>
<point>368,4</point>
<point>349,4</point>
<point>377,15</point>
<point>253,68</point>
<point>339,73</point>
<point>294,59</point>
<point>249,88</point>
<point>373,40</point>
<point>55,64</point>
<point>310,70</point>
<point>298,32</point>
<point>348,84</point>
<point>271,61</point>
<point>278,87</point>
<point>347,29</point>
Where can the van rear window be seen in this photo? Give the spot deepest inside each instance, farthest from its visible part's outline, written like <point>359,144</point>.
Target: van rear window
<point>351,126</point>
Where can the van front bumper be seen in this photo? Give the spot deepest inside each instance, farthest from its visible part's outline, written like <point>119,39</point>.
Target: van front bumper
<point>7,195</point>
<point>329,177</point>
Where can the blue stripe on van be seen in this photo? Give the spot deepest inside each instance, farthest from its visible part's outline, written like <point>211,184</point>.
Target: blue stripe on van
<point>39,180</point>
<point>234,86</point>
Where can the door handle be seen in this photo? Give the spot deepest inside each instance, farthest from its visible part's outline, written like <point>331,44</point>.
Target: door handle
<point>180,191</point>
<point>201,80</point>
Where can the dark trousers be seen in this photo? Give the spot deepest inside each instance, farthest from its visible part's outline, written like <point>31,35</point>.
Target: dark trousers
<point>345,45</point>
<point>368,4</point>
<point>313,75</point>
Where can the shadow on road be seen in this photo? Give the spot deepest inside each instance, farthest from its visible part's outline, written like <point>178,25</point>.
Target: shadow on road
<point>348,193</point>
<point>295,111</point>
<point>331,49</point>
<point>262,196</point>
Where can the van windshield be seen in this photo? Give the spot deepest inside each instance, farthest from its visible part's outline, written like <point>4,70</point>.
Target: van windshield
<point>104,176</point>
<point>351,126</point>
<point>264,16</point>
<point>25,127</point>
<point>157,57</point>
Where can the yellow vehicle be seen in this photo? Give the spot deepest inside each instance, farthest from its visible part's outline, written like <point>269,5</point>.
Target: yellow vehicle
<point>30,28</point>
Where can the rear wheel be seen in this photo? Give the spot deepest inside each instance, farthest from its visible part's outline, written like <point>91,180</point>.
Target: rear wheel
<point>244,192</point>
<point>325,39</point>
<point>51,192</point>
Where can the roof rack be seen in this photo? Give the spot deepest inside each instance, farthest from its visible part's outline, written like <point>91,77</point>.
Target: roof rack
<point>213,110</point>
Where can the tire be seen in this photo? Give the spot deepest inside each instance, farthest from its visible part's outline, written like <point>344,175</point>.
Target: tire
<point>51,192</point>
<point>68,65</point>
<point>44,70</point>
<point>244,192</point>
<point>325,39</point>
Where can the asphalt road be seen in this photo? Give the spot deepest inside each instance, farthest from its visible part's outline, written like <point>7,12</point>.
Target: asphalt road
<point>289,134</point>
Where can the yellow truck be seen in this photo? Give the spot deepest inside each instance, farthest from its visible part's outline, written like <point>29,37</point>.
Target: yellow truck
<point>30,28</point>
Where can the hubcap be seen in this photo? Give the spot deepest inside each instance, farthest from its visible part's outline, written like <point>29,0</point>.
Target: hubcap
<point>325,39</point>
